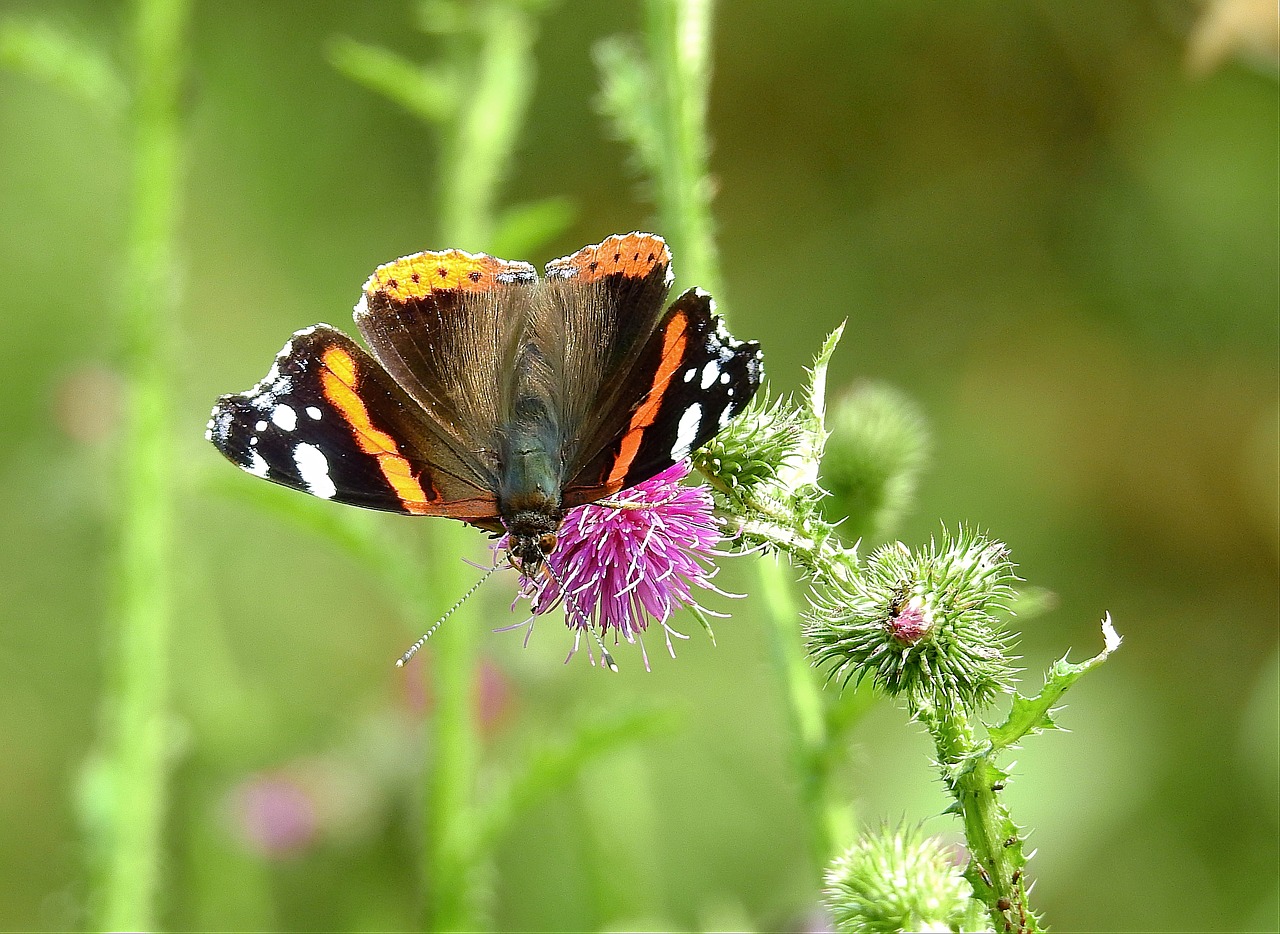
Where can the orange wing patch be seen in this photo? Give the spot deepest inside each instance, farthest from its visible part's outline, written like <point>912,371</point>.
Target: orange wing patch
<point>633,254</point>
<point>421,274</point>
<point>338,381</point>
<point>674,340</point>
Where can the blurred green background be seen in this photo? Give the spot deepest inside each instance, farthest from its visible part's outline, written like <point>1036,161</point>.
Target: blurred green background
<point>1052,225</point>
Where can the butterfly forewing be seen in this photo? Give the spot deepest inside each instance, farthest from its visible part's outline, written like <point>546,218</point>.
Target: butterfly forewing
<point>328,420</point>
<point>689,380</point>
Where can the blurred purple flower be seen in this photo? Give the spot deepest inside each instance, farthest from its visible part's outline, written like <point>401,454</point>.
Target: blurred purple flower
<point>275,815</point>
<point>632,559</point>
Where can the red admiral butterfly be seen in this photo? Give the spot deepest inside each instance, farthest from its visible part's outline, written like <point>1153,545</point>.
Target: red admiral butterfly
<point>493,396</point>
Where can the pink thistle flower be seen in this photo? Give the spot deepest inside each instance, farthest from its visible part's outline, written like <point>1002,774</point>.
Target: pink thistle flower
<point>629,560</point>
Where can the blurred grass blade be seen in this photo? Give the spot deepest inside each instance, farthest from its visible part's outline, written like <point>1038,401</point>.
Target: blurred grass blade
<point>71,64</point>
<point>358,533</point>
<point>522,230</point>
<point>430,94</point>
<point>553,768</point>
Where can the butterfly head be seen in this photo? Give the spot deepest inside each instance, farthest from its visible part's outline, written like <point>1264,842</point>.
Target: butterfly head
<point>528,553</point>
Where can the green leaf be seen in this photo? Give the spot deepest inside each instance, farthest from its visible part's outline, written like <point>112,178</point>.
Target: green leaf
<point>69,63</point>
<point>800,469</point>
<point>428,93</point>
<point>521,230</point>
<point>1033,714</point>
<point>553,767</point>
<point>816,395</point>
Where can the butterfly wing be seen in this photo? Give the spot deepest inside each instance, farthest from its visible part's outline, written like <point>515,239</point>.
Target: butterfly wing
<point>329,420</point>
<point>640,387</point>
<point>690,379</point>
<point>448,327</point>
<point>599,308</point>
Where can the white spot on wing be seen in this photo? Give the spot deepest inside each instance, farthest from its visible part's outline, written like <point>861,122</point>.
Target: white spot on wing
<point>284,417</point>
<point>260,425</point>
<point>690,373</point>
<point>313,468</point>
<point>686,432</point>
<point>313,412</point>
<point>257,465</point>
<point>709,373</point>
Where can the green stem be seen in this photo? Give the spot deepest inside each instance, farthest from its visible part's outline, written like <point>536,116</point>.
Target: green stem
<point>482,136</point>
<point>828,822</point>
<point>995,846</point>
<point>137,738</point>
<point>679,48</point>
<point>450,865</point>
<point>478,148</point>
<point>678,43</point>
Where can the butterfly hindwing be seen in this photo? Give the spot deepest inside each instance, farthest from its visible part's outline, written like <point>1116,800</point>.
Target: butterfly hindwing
<point>447,326</point>
<point>328,420</point>
<point>601,307</point>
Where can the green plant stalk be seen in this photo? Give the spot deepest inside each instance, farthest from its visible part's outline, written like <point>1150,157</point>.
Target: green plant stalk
<point>678,42</point>
<point>137,730</point>
<point>450,857</point>
<point>995,846</point>
<point>828,821</point>
<point>478,146</point>
<point>482,135</point>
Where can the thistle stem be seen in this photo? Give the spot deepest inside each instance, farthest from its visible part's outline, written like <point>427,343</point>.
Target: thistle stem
<point>678,42</point>
<point>995,846</point>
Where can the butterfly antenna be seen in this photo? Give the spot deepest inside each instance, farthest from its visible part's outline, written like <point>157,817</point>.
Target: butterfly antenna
<point>572,609</point>
<point>413,649</point>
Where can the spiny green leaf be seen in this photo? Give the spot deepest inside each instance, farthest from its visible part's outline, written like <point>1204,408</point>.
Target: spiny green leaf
<point>1032,714</point>
<point>817,393</point>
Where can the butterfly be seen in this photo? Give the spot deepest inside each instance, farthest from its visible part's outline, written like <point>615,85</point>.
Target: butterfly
<point>494,396</point>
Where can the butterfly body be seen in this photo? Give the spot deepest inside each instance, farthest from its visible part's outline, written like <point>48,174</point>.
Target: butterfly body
<point>494,396</point>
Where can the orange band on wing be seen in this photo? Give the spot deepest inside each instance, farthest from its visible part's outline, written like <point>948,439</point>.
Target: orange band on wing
<point>673,344</point>
<point>337,379</point>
